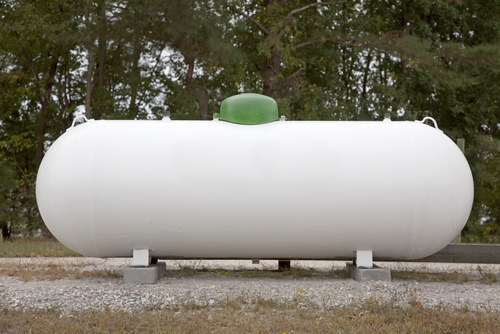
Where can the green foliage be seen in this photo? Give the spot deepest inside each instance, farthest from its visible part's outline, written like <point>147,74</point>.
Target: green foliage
<point>353,60</point>
<point>7,185</point>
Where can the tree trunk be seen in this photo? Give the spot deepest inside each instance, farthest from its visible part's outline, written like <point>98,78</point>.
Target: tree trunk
<point>197,93</point>
<point>135,77</point>
<point>270,73</point>
<point>40,139</point>
<point>90,67</point>
<point>203,105</point>
<point>45,96</point>
<point>364,94</point>
<point>88,92</point>
<point>5,233</point>
<point>102,58</point>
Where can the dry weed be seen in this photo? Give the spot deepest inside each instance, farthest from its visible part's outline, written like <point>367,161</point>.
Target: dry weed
<point>258,316</point>
<point>51,271</point>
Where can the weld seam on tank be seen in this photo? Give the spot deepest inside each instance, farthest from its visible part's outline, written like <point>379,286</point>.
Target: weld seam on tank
<point>92,202</point>
<point>416,194</point>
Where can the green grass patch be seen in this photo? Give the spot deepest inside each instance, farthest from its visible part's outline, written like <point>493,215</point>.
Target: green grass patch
<point>36,247</point>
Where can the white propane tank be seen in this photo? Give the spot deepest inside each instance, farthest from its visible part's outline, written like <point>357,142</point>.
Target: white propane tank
<point>280,190</point>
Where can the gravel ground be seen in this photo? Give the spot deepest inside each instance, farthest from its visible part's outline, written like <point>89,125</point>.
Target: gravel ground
<point>208,289</point>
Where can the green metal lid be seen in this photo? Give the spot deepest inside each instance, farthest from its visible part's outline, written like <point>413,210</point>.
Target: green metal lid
<point>249,109</point>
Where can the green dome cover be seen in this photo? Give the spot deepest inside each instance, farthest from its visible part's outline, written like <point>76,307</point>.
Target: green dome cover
<point>249,108</point>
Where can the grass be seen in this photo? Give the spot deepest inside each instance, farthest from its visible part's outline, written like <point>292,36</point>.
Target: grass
<point>75,270</point>
<point>261,315</point>
<point>257,316</point>
<point>295,273</point>
<point>52,271</point>
<point>256,273</point>
<point>40,247</point>
<point>36,247</point>
<point>474,275</point>
<point>430,277</point>
<point>29,272</point>
<point>481,239</point>
<point>422,275</point>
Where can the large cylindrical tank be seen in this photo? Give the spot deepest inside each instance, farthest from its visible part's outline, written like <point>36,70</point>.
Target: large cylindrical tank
<point>214,189</point>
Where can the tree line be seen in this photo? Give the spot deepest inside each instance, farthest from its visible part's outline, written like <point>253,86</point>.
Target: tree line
<point>339,60</point>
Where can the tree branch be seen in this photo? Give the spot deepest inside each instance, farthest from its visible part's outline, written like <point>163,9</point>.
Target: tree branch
<point>286,81</point>
<point>251,19</point>
<point>22,171</point>
<point>291,76</point>
<point>289,17</point>
<point>337,41</point>
<point>316,4</point>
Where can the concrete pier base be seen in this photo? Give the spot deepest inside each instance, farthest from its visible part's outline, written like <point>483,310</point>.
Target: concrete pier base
<point>364,275</point>
<point>145,275</point>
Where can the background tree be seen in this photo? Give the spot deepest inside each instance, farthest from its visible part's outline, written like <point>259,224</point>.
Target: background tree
<point>276,36</point>
<point>39,96</point>
<point>7,185</point>
<point>339,60</point>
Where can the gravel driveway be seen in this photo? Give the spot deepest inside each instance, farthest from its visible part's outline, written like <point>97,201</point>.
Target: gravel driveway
<point>209,289</point>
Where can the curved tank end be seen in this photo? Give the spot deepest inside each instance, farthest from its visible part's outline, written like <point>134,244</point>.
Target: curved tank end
<point>64,188</point>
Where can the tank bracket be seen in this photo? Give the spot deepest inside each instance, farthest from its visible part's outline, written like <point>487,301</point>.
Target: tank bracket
<point>141,258</point>
<point>77,118</point>
<point>427,118</point>
<point>364,259</point>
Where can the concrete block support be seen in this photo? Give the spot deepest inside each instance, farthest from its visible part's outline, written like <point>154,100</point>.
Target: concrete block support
<point>140,275</point>
<point>162,269</point>
<point>145,275</point>
<point>364,275</point>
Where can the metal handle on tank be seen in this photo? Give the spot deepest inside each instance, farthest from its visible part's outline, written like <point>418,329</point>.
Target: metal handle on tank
<point>77,117</point>
<point>429,118</point>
